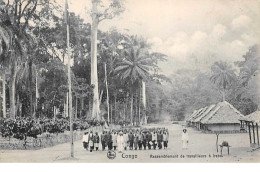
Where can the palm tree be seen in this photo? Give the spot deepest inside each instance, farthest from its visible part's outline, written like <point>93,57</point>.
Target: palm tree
<point>247,73</point>
<point>134,68</point>
<point>223,76</point>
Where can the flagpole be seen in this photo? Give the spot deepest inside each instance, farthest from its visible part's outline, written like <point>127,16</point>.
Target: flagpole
<point>69,81</point>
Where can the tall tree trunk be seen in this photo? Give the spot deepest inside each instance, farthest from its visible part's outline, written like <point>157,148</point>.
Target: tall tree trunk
<point>94,75</point>
<point>115,114</point>
<point>111,114</point>
<point>76,107</point>
<point>139,107</point>
<point>131,104</point>
<point>4,95</point>
<point>143,94</point>
<point>36,91</point>
<point>18,105</point>
<point>223,95</point>
<point>67,105</point>
<point>136,106</point>
<point>125,105</point>
<point>69,83</point>
<point>100,96</point>
<point>107,93</point>
<point>81,105</point>
<point>54,113</point>
<point>30,88</point>
<point>12,90</point>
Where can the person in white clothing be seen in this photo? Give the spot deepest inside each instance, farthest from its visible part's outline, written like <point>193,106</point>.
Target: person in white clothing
<point>114,140</point>
<point>120,142</point>
<point>165,139</point>
<point>85,140</point>
<point>185,139</point>
<point>125,135</point>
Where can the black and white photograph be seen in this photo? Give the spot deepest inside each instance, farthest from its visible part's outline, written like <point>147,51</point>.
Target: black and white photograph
<point>129,81</point>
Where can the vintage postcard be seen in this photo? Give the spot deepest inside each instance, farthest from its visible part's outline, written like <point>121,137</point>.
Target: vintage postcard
<point>129,81</point>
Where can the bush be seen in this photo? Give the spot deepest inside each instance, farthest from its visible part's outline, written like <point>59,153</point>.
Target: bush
<point>21,128</point>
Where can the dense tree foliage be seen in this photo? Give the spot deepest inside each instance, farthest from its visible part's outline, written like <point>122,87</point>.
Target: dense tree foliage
<point>192,89</point>
<point>33,35</point>
<point>33,58</point>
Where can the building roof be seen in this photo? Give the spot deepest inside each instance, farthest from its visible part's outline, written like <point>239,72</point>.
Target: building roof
<point>210,114</point>
<point>253,117</point>
<point>205,113</point>
<point>199,114</point>
<point>194,115</point>
<point>189,117</point>
<point>223,113</point>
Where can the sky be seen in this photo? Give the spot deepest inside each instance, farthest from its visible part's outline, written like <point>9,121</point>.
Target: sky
<point>192,33</point>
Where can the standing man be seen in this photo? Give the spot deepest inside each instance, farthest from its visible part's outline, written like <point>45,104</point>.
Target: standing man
<point>149,140</point>
<point>185,139</point>
<point>135,140</point>
<point>131,140</point>
<point>114,140</point>
<point>91,141</point>
<point>144,139</point>
<point>96,141</point>
<point>154,139</point>
<point>120,142</point>
<point>165,140</point>
<point>106,139</point>
<point>103,140</point>
<point>109,141</point>
<point>160,139</point>
<point>140,140</point>
<point>125,135</point>
<point>85,140</point>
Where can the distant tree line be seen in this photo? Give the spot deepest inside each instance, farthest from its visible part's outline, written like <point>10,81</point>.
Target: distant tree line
<point>237,83</point>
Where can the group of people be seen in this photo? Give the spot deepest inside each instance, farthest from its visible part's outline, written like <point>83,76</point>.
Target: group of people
<point>132,139</point>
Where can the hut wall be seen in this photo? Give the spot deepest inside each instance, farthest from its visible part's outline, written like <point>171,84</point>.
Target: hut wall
<point>223,127</point>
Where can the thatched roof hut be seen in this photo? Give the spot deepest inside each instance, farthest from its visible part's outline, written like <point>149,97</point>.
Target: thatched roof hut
<point>218,117</point>
<point>253,117</point>
<point>224,112</point>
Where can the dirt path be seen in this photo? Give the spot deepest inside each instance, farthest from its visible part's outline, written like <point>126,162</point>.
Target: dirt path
<point>202,148</point>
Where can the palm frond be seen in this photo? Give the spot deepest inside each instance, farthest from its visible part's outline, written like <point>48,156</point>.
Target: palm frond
<point>222,74</point>
<point>120,68</point>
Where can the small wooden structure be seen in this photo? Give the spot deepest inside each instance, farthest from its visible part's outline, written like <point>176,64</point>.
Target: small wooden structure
<point>251,124</point>
<point>224,144</point>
